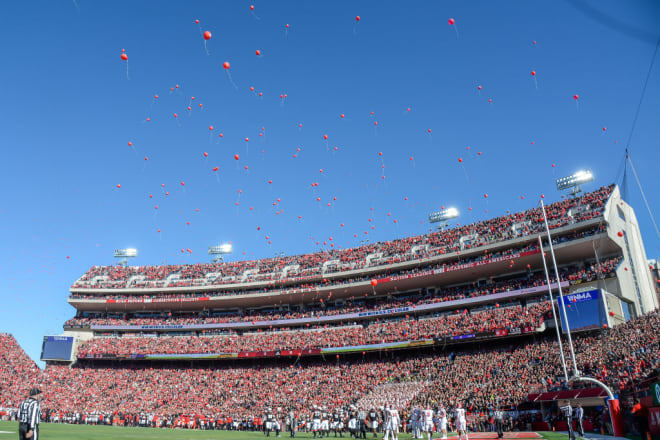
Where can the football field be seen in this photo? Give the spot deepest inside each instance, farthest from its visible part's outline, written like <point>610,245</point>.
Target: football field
<point>47,431</point>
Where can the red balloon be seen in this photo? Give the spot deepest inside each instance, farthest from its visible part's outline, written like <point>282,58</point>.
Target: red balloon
<point>118,186</point>
<point>210,127</point>
<point>533,72</point>
<point>236,156</point>
<point>325,136</point>
<point>485,196</point>
<point>341,116</point>
<point>451,21</point>
<point>206,154</point>
<point>357,18</point>
<point>374,283</point>
<point>226,65</point>
<point>620,234</point>
<point>258,52</point>
<point>207,35</point>
<point>460,160</point>
<point>479,87</point>
<point>130,144</point>
<point>124,57</point>
<point>576,97</point>
<point>611,313</point>
<point>196,21</point>
<point>216,168</point>
<point>251,7</point>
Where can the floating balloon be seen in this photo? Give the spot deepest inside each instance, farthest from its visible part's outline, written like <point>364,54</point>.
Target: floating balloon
<point>236,157</point>
<point>124,57</point>
<point>207,35</point>
<point>258,52</point>
<point>253,14</point>
<point>452,23</point>
<point>226,66</point>
<point>374,282</point>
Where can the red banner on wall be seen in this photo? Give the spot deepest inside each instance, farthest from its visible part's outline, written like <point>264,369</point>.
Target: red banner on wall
<point>654,420</point>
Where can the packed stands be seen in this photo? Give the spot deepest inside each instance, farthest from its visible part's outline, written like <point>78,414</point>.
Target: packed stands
<point>566,212</point>
<point>334,336</point>
<point>508,372</point>
<point>17,372</point>
<point>472,290</point>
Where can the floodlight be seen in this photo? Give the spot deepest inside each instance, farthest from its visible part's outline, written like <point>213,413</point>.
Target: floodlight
<point>124,255</point>
<point>219,251</point>
<point>443,216</point>
<point>574,181</point>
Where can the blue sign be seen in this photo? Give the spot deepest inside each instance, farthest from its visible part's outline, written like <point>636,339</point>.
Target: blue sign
<point>57,348</point>
<point>585,311</point>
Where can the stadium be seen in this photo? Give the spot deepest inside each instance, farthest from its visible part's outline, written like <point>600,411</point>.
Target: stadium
<point>460,315</point>
<point>384,220</point>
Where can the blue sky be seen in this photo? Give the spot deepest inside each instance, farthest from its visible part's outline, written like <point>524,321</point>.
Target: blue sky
<point>69,112</point>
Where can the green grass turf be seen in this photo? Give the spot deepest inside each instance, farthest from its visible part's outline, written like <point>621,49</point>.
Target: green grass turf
<point>48,431</point>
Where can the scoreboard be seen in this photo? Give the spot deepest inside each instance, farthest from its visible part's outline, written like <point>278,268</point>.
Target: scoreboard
<point>56,348</point>
<point>585,311</point>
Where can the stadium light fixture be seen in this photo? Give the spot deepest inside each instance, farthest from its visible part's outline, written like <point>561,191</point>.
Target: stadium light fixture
<point>575,181</point>
<point>219,251</point>
<point>124,254</point>
<point>443,217</point>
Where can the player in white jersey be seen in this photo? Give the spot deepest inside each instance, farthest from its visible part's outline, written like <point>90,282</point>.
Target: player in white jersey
<point>392,422</point>
<point>427,422</point>
<point>442,422</point>
<point>460,421</point>
<point>415,424</point>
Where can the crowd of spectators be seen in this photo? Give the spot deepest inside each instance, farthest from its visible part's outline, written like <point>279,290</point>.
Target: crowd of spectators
<point>310,286</point>
<point>438,295</point>
<point>377,332</point>
<point>16,369</point>
<point>476,376</point>
<point>561,213</point>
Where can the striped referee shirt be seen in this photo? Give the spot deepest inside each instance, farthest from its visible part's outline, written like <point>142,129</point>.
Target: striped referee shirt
<point>29,413</point>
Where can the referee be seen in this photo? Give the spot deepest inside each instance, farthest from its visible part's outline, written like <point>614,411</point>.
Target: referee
<point>499,422</point>
<point>29,414</point>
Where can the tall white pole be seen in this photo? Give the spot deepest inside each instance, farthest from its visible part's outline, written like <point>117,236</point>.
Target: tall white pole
<point>561,294</point>
<point>554,315</point>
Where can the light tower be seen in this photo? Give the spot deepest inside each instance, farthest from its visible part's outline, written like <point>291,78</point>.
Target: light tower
<point>220,250</point>
<point>124,254</point>
<point>574,181</point>
<point>443,217</point>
